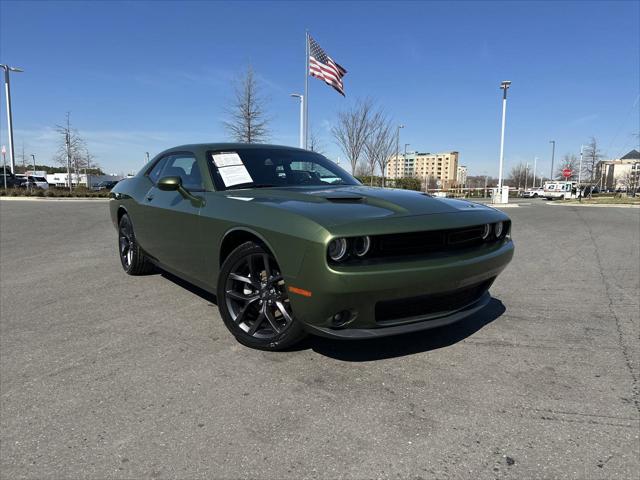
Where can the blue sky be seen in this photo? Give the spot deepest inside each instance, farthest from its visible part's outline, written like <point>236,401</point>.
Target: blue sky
<point>144,76</point>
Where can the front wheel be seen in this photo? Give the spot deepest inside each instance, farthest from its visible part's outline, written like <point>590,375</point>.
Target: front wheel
<point>253,300</point>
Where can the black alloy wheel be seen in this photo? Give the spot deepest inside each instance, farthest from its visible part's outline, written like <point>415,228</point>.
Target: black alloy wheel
<point>253,299</point>
<point>133,261</point>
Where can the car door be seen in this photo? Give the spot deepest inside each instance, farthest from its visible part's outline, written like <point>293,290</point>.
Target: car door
<point>173,218</point>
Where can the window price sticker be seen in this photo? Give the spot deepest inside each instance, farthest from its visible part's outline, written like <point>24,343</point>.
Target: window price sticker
<point>231,169</point>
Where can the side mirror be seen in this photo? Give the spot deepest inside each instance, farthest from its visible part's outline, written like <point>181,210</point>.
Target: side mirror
<point>169,184</point>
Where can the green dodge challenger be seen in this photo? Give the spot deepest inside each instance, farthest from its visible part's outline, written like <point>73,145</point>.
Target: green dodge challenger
<point>291,244</point>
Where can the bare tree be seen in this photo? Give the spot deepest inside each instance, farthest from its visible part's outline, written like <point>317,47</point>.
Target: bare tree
<point>570,162</point>
<point>315,144</point>
<point>591,155</point>
<point>71,148</point>
<point>520,175</point>
<point>380,144</point>
<point>352,130</point>
<point>248,121</point>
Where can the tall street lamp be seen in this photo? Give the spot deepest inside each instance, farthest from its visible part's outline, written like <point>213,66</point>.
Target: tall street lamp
<point>580,168</point>
<point>7,88</point>
<point>301,97</point>
<point>553,155</point>
<point>504,86</point>
<point>404,158</point>
<point>398,147</point>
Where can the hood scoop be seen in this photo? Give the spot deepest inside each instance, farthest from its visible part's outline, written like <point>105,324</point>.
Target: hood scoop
<point>345,199</point>
<point>340,197</point>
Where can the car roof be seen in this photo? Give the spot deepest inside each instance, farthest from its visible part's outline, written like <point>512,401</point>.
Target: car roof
<point>204,147</point>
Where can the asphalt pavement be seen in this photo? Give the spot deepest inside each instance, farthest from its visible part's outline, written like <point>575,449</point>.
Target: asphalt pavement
<point>105,376</point>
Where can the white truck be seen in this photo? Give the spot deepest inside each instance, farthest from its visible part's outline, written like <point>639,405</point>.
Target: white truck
<point>560,190</point>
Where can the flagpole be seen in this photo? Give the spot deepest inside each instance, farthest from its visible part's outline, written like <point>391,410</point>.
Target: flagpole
<point>306,92</point>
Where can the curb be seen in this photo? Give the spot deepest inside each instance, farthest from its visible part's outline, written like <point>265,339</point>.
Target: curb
<point>54,199</point>
<point>596,205</point>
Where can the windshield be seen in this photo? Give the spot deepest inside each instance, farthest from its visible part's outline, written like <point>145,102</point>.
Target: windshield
<point>274,167</point>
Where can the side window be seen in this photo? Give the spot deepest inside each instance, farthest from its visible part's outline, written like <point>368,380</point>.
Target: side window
<point>185,166</point>
<point>154,173</point>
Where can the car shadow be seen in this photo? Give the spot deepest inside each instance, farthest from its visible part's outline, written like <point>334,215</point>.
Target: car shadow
<point>405,344</point>
<point>379,348</point>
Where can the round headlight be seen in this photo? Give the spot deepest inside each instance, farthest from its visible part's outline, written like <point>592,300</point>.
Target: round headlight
<point>337,249</point>
<point>361,245</point>
<point>486,231</point>
<point>499,229</point>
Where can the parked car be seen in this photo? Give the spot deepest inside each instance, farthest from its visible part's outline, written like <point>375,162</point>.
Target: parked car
<point>33,181</point>
<point>533,193</point>
<point>11,181</point>
<point>104,185</point>
<point>292,244</point>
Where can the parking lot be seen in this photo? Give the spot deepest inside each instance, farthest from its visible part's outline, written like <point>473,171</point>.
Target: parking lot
<point>103,375</point>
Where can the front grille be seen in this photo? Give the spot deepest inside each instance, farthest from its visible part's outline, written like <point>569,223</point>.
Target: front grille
<point>425,305</point>
<point>427,242</point>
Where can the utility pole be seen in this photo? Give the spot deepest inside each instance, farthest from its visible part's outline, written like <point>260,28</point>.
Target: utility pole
<point>34,163</point>
<point>7,88</point>
<point>526,174</point>
<point>535,161</point>
<point>553,155</point>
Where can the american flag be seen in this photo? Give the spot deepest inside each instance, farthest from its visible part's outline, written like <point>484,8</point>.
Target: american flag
<point>323,67</point>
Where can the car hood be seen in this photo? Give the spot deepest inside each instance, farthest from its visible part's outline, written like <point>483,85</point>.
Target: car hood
<point>346,204</point>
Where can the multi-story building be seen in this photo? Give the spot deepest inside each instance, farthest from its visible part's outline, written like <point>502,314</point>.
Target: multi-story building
<point>461,176</point>
<point>621,173</point>
<point>434,169</point>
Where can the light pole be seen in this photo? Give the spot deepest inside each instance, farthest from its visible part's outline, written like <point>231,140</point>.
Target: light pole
<point>535,162</point>
<point>553,155</point>
<point>404,159</point>
<point>580,168</point>
<point>526,174</point>
<point>504,86</point>
<point>4,166</point>
<point>301,97</point>
<point>398,147</point>
<point>7,88</point>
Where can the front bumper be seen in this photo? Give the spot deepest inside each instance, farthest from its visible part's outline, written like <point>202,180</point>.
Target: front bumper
<point>414,326</point>
<point>357,290</point>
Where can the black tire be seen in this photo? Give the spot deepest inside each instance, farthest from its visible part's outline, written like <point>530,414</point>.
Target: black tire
<point>133,260</point>
<point>253,300</point>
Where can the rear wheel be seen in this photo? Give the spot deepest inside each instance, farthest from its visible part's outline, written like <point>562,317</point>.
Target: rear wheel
<point>253,300</point>
<point>133,261</point>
